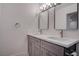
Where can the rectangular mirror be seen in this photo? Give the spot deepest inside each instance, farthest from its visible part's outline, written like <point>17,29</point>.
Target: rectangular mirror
<point>44,20</point>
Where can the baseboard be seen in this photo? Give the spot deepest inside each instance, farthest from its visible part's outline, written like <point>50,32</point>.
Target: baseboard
<point>20,54</point>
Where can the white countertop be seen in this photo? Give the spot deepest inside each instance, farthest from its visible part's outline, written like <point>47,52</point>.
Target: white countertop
<point>65,42</point>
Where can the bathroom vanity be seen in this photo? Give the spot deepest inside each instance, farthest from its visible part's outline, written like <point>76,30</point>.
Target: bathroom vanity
<point>43,45</point>
<point>65,18</point>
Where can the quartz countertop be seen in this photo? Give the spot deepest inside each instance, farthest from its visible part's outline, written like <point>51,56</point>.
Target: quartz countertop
<point>65,42</point>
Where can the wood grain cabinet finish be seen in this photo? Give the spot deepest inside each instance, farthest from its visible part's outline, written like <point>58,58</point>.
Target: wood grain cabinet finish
<point>57,50</point>
<point>38,47</point>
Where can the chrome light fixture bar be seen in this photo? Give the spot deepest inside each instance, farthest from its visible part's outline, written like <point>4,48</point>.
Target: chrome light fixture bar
<point>46,6</point>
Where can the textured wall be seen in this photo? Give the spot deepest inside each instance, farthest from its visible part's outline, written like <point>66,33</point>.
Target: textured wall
<point>13,40</point>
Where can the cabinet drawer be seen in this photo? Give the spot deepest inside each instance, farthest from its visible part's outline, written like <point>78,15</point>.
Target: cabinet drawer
<point>49,53</point>
<point>45,52</point>
<point>53,48</point>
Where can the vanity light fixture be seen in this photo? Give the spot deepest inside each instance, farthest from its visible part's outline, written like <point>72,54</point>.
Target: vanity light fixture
<point>46,6</point>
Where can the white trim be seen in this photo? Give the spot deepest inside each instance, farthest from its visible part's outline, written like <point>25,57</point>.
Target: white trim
<point>20,54</point>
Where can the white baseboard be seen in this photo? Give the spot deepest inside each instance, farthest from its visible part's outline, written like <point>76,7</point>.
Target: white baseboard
<point>20,54</point>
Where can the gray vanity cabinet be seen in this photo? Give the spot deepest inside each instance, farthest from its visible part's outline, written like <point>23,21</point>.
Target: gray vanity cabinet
<point>38,47</point>
<point>33,46</point>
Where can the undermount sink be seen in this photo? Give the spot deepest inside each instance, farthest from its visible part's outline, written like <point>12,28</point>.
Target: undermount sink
<point>56,38</point>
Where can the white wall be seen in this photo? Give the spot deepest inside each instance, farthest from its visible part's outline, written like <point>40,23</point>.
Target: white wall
<point>13,40</point>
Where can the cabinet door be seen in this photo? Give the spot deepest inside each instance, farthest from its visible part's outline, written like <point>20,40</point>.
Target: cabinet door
<point>52,48</point>
<point>34,46</point>
<point>45,52</point>
<point>32,50</point>
<point>37,50</point>
<point>29,46</point>
<point>61,12</point>
<point>49,53</point>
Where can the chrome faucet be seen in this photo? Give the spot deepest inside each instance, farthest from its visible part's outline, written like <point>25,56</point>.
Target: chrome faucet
<point>61,33</point>
<point>40,30</point>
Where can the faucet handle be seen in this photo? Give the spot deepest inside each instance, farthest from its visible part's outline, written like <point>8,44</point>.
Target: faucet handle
<point>61,33</point>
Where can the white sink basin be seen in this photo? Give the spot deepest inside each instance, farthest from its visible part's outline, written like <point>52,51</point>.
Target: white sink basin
<point>56,38</point>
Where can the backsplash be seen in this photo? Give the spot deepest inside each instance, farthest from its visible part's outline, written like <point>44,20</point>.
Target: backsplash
<point>71,34</point>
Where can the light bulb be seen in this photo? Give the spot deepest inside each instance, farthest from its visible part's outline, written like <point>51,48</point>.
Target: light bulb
<point>41,8</point>
<point>44,6</point>
<point>55,3</point>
